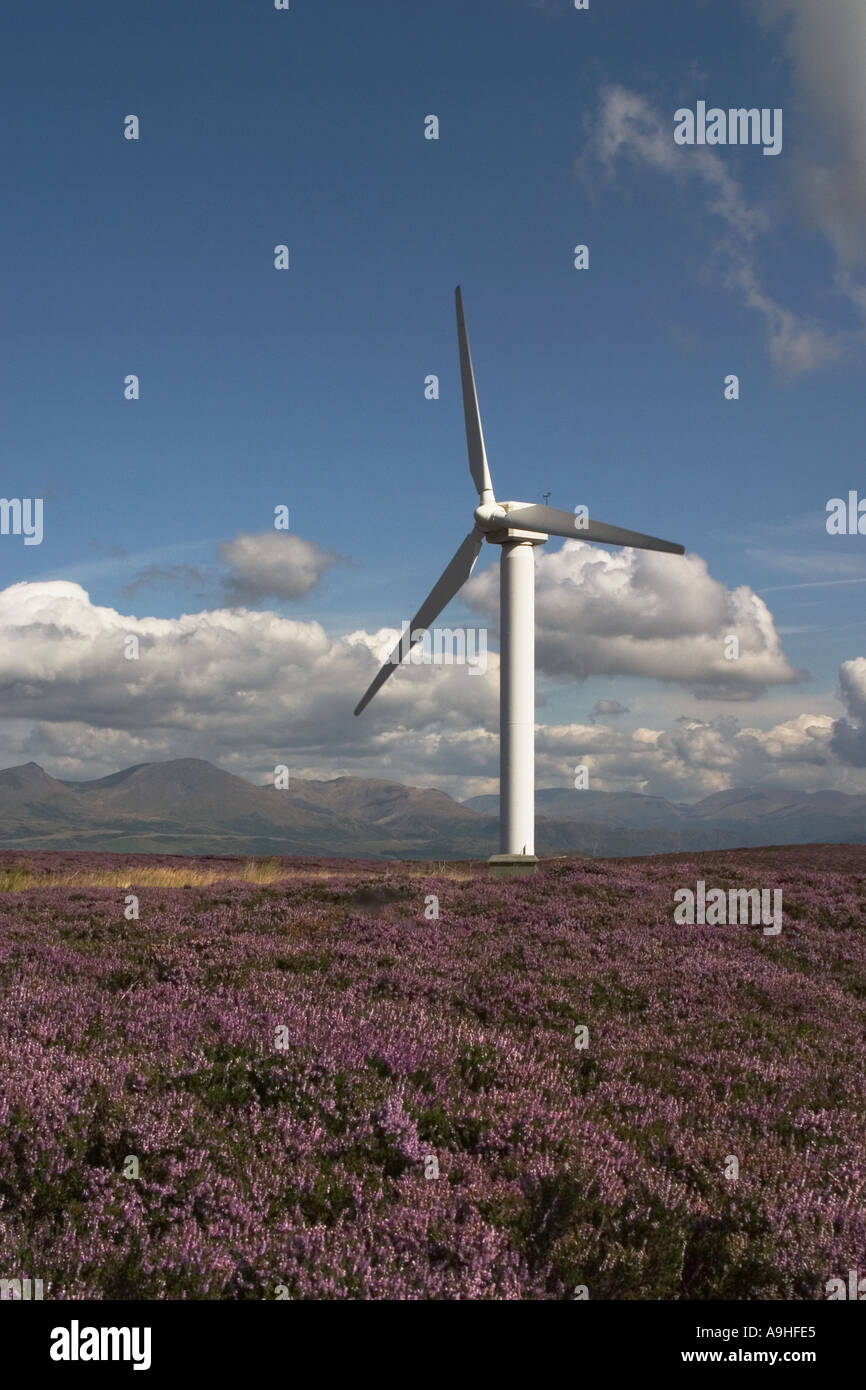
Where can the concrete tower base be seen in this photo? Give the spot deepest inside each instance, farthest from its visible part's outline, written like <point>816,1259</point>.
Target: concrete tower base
<point>509,865</point>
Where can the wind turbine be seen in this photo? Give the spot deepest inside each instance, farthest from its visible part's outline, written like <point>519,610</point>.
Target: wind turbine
<point>517,527</point>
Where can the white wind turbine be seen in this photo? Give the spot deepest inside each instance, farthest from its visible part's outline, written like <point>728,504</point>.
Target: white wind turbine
<point>516,527</point>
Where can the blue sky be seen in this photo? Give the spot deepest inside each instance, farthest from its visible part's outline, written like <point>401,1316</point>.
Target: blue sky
<point>306,387</point>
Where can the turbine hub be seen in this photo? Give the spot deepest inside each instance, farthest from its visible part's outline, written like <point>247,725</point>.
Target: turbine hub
<point>489,516</point>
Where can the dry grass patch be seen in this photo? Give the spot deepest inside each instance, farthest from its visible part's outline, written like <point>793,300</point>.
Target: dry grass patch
<point>16,877</point>
<point>20,876</point>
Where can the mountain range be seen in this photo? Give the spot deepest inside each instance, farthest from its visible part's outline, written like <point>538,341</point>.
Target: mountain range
<point>190,806</point>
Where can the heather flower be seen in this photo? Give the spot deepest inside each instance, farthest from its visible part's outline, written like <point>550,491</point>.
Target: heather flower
<point>305,1165</point>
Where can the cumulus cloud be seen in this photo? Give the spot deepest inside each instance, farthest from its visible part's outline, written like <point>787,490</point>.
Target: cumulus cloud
<point>273,564</point>
<point>628,127</point>
<point>240,687</point>
<point>610,708</point>
<point>640,613</point>
<point>250,689</point>
<point>849,735</point>
<point>826,44</point>
<point>694,757</point>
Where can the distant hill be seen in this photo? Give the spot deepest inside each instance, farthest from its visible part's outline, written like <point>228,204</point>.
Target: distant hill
<point>742,817</point>
<point>629,809</point>
<point>189,806</point>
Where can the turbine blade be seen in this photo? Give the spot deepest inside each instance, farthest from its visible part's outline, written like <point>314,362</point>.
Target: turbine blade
<point>449,583</point>
<point>557,523</point>
<point>471,413</point>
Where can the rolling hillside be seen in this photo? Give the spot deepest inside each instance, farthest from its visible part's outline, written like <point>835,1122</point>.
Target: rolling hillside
<point>189,806</point>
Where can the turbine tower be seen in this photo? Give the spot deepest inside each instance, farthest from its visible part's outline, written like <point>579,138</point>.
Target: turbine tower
<point>517,527</point>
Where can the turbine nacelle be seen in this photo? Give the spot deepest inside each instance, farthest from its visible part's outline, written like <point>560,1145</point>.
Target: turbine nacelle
<point>497,523</point>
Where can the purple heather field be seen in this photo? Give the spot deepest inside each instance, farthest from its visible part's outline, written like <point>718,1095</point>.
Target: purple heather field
<point>306,1166</point>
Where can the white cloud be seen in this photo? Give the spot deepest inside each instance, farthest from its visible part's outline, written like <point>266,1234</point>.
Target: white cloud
<point>849,735</point>
<point>628,127</point>
<point>249,689</point>
<point>694,757</point>
<point>609,707</point>
<point>639,613</point>
<point>242,688</point>
<point>826,43</point>
<point>273,564</point>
